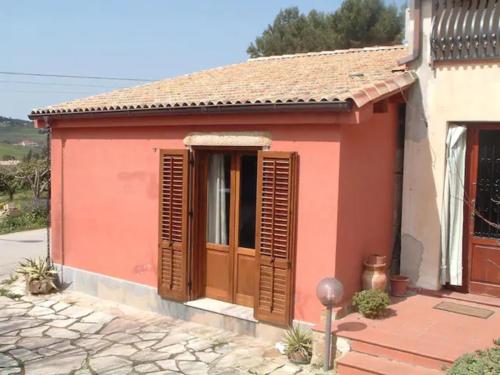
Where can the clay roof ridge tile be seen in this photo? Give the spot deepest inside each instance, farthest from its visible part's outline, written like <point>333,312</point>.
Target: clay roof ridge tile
<point>334,52</point>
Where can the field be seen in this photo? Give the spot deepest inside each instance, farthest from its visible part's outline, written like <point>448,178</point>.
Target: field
<point>13,131</point>
<point>17,152</point>
<point>17,133</point>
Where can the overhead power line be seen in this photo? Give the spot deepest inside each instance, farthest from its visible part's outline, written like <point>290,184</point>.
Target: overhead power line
<point>54,83</point>
<point>76,76</point>
<point>51,92</point>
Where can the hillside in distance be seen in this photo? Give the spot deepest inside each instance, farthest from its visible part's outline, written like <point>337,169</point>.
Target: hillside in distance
<point>13,132</point>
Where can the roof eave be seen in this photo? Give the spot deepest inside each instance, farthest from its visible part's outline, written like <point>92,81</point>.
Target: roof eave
<point>333,106</point>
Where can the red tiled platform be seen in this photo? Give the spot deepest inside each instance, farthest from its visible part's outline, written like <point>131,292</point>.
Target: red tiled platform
<point>414,334</point>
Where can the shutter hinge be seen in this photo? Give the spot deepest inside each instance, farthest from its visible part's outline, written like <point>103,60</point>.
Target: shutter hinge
<point>190,213</point>
<point>191,160</point>
<point>190,285</point>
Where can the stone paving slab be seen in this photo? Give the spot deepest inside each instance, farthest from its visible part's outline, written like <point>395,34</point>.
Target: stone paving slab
<point>71,333</point>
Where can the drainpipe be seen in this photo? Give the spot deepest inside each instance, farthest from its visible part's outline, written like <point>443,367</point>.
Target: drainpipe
<point>49,130</point>
<point>416,9</point>
<point>49,162</point>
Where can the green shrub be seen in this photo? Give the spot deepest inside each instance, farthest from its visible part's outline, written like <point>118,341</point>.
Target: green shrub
<point>481,362</point>
<point>31,219</point>
<point>298,341</point>
<point>371,303</point>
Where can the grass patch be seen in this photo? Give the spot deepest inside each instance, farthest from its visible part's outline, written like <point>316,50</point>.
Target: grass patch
<point>4,292</point>
<point>12,278</point>
<point>217,343</point>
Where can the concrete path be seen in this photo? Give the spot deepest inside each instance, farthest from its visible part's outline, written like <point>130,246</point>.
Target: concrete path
<point>17,246</point>
<point>71,333</point>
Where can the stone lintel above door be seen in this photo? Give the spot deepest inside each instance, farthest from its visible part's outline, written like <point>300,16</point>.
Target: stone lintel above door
<point>229,139</point>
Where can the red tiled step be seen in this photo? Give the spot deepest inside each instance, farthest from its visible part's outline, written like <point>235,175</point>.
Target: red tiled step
<point>399,354</point>
<point>354,363</point>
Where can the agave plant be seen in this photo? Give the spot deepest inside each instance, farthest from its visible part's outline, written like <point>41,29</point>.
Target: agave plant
<point>39,274</point>
<point>298,345</point>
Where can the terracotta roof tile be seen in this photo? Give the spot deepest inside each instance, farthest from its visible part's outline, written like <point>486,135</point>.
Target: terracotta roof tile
<point>358,75</point>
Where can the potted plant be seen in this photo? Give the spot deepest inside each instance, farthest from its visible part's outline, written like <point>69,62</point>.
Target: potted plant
<point>399,285</point>
<point>371,303</point>
<point>298,345</point>
<point>39,275</point>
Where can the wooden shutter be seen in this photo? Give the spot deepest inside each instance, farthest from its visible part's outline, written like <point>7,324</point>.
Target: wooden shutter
<point>276,206</point>
<point>172,257</point>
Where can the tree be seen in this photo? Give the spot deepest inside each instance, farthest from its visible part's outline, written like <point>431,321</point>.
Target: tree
<point>360,23</point>
<point>28,156</point>
<point>293,32</point>
<point>35,175</point>
<point>9,183</point>
<point>356,23</point>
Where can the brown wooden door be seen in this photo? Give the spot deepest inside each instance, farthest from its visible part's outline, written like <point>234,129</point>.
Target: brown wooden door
<point>229,185</point>
<point>483,239</point>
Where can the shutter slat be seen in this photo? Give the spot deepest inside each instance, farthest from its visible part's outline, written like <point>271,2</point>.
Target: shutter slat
<point>275,236</point>
<point>172,259</point>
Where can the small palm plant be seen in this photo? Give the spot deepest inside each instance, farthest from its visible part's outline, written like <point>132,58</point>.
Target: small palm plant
<point>298,345</point>
<point>39,275</point>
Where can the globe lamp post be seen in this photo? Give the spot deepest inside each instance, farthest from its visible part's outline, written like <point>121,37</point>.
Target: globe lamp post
<point>329,292</point>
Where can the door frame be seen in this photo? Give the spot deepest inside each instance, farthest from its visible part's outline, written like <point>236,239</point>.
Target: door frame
<point>199,214</point>
<point>471,160</point>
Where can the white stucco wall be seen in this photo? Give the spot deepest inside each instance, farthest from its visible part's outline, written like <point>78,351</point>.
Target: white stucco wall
<point>446,93</point>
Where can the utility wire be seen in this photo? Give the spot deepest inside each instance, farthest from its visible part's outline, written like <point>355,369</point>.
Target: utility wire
<point>76,76</point>
<point>54,83</point>
<point>51,92</point>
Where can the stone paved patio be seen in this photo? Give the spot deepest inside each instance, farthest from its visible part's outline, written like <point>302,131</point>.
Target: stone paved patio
<point>70,333</point>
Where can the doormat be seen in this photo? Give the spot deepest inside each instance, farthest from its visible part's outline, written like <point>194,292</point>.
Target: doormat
<point>464,309</point>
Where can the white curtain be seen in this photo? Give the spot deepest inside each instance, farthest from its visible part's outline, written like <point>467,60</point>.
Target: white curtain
<point>452,213</point>
<point>217,220</point>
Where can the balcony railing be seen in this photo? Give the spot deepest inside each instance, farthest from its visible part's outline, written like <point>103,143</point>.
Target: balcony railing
<point>465,30</point>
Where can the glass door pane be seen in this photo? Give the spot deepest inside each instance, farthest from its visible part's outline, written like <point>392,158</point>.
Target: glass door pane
<point>248,200</point>
<point>488,185</point>
<point>218,199</point>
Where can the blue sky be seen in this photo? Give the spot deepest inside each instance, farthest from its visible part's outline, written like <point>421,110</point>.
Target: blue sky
<point>151,39</point>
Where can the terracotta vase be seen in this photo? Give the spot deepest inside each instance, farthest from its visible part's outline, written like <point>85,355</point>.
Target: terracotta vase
<point>299,358</point>
<point>39,286</point>
<point>374,276</point>
<point>399,285</point>
<point>377,259</point>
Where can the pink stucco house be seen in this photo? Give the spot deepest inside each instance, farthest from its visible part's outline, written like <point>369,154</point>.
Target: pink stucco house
<point>234,189</point>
